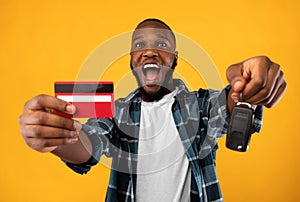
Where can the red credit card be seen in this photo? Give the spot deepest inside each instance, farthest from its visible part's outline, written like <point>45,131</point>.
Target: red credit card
<point>92,99</point>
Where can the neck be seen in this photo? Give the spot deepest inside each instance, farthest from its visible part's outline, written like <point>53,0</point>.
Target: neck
<point>164,90</point>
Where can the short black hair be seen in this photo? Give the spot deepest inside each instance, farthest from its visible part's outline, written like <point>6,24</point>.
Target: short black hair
<point>159,21</point>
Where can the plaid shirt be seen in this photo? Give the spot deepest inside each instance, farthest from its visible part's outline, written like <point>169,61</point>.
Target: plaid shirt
<point>200,117</point>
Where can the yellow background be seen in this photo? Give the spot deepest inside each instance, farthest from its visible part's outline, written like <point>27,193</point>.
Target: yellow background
<point>46,41</point>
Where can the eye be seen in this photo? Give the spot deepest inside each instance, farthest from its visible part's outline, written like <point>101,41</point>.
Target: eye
<point>162,45</point>
<point>139,45</point>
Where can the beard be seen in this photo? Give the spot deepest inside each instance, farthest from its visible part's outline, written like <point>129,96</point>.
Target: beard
<point>151,97</point>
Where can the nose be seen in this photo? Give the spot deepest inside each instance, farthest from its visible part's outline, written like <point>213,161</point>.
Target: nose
<point>150,53</point>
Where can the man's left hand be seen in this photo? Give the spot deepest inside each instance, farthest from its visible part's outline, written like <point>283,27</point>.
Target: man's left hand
<point>257,80</point>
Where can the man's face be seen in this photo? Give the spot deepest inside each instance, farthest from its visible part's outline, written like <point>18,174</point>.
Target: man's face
<point>153,56</point>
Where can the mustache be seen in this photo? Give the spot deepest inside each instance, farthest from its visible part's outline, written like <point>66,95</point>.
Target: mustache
<point>174,64</point>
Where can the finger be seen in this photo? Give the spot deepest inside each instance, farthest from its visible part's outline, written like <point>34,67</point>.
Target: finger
<point>47,132</point>
<point>255,70</point>
<point>278,96</point>
<point>42,102</point>
<point>48,119</point>
<point>271,94</point>
<point>271,85</point>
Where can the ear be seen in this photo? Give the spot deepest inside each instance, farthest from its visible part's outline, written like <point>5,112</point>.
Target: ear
<point>176,54</point>
<point>175,60</point>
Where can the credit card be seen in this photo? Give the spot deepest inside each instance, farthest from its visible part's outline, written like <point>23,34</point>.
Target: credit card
<point>92,99</point>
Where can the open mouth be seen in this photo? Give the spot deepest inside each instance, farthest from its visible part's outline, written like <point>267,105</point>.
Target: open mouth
<point>151,73</point>
<point>151,67</point>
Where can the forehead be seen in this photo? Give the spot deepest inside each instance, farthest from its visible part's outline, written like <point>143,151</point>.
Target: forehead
<point>152,32</point>
<point>152,28</point>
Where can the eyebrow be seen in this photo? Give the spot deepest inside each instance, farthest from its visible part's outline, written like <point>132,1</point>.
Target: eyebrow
<point>140,36</point>
<point>136,37</point>
<point>164,37</point>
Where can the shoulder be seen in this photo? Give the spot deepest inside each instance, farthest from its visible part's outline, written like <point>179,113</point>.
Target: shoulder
<point>201,93</point>
<point>134,96</point>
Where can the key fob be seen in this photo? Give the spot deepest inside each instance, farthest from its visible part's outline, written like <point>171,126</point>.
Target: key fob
<point>239,128</point>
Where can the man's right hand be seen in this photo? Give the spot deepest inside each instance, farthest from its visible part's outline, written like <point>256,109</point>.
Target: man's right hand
<point>42,129</point>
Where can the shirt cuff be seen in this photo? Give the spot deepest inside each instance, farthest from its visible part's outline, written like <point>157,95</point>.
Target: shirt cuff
<point>257,122</point>
<point>219,115</point>
<point>96,152</point>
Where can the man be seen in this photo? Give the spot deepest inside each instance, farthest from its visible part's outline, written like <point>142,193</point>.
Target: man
<point>163,137</point>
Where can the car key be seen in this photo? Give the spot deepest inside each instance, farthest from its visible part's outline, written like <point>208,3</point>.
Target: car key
<point>239,128</point>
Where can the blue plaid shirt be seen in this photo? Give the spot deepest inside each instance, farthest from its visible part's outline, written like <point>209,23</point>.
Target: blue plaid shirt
<point>200,117</point>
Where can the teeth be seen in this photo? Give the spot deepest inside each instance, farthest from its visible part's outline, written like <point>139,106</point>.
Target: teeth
<point>151,66</point>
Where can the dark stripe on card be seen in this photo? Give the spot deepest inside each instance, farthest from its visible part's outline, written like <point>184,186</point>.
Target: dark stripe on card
<point>83,88</point>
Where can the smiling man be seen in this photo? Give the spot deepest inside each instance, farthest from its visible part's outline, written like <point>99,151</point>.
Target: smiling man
<point>153,58</point>
<point>163,138</point>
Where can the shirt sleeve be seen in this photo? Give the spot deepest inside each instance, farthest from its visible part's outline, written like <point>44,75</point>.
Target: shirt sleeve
<point>219,115</point>
<point>99,132</point>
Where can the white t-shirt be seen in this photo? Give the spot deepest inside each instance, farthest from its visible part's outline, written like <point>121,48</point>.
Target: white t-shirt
<point>163,168</point>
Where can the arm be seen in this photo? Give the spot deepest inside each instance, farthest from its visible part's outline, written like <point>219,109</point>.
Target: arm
<point>77,153</point>
<point>260,81</point>
<point>44,131</point>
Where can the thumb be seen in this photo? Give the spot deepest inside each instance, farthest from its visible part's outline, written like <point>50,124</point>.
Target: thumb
<point>238,84</point>
<point>237,87</point>
<point>47,102</point>
<point>236,80</point>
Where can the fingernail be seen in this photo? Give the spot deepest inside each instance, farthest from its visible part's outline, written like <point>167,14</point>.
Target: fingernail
<point>71,109</point>
<point>72,140</point>
<point>235,98</point>
<point>73,133</point>
<point>77,126</point>
<point>237,84</point>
